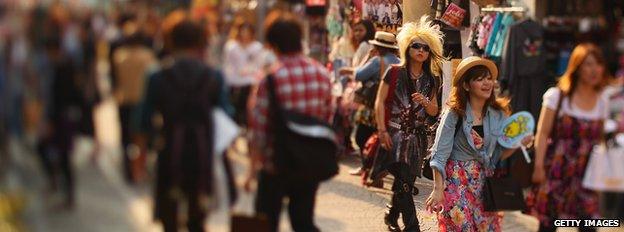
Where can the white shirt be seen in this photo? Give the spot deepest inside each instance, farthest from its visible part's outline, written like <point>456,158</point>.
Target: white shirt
<point>600,111</point>
<point>361,54</point>
<point>243,65</point>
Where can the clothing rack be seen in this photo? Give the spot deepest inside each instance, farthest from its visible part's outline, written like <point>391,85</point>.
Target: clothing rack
<point>504,9</point>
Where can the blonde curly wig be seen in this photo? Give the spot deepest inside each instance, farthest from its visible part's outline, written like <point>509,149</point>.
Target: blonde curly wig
<point>426,31</point>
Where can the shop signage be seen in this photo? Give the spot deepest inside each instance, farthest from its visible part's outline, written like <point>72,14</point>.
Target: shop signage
<point>454,15</point>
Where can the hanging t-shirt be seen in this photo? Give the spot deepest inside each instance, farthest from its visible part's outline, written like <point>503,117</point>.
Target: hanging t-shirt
<point>501,37</point>
<point>523,67</point>
<point>497,21</point>
<point>485,30</point>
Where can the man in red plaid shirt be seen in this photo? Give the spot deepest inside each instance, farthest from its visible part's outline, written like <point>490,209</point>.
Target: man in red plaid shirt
<point>302,85</point>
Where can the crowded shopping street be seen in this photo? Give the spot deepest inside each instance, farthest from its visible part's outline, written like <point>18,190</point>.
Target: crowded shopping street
<point>311,115</point>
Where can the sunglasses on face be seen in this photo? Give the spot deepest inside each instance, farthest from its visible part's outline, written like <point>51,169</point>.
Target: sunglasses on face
<point>418,46</point>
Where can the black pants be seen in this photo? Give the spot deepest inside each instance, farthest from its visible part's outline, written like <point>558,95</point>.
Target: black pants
<point>194,219</point>
<point>125,117</point>
<point>362,133</point>
<point>612,205</point>
<point>402,201</point>
<point>239,97</point>
<point>55,154</point>
<point>271,192</point>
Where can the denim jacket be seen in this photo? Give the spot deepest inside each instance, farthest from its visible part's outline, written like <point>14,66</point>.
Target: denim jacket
<point>370,70</point>
<point>461,147</point>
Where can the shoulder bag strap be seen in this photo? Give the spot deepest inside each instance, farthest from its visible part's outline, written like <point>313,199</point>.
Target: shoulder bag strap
<point>553,130</point>
<point>275,110</point>
<point>381,68</point>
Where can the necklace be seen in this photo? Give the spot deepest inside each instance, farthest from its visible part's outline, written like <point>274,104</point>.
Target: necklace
<point>478,117</point>
<point>414,76</point>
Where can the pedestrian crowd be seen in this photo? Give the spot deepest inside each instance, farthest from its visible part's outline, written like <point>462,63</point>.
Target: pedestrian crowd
<point>379,98</point>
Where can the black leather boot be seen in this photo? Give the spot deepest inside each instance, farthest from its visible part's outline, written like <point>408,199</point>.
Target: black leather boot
<point>392,215</point>
<point>408,209</point>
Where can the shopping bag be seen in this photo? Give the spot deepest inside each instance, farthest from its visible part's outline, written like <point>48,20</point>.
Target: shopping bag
<point>244,223</point>
<point>604,171</point>
<point>225,130</point>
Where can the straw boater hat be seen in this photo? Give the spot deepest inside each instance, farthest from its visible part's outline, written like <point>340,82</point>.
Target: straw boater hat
<point>384,39</point>
<point>470,62</point>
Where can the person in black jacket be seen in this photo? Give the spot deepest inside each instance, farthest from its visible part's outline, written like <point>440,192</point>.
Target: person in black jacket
<point>185,93</point>
<point>63,116</point>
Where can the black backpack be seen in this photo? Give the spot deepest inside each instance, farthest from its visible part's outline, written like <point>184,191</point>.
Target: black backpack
<point>304,147</point>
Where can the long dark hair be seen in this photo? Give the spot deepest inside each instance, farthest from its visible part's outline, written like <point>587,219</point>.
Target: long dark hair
<point>370,29</point>
<point>569,81</point>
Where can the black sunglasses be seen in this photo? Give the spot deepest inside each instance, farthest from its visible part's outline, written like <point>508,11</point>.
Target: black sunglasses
<point>418,46</point>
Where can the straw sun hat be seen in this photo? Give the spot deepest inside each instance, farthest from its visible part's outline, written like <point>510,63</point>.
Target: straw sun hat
<point>468,63</point>
<point>384,39</point>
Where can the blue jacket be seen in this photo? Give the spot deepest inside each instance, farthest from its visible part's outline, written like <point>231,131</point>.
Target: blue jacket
<point>371,69</point>
<point>457,146</point>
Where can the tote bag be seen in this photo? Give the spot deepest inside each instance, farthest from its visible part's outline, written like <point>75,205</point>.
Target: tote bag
<point>604,171</point>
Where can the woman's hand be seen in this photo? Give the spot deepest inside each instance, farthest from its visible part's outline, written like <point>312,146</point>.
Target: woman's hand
<point>420,99</point>
<point>386,141</point>
<point>539,174</point>
<point>435,201</point>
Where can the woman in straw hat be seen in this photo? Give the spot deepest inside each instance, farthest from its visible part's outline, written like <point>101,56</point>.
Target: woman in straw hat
<point>406,107</point>
<point>466,150</point>
<point>384,51</point>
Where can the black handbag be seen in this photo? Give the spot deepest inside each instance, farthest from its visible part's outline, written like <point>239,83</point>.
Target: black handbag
<point>304,147</point>
<point>501,194</point>
<point>367,94</point>
<point>521,171</point>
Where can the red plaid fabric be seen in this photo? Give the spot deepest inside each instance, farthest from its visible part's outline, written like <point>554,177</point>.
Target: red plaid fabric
<point>302,85</point>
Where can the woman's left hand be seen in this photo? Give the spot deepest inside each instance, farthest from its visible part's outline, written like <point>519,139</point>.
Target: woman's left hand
<point>528,141</point>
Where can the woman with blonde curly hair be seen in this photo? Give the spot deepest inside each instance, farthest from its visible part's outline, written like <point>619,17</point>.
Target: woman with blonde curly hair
<point>406,107</point>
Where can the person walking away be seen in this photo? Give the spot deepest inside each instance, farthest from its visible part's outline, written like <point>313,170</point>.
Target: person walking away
<point>185,93</point>
<point>466,149</point>
<point>132,62</point>
<point>242,66</point>
<point>406,106</point>
<point>63,118</point>
<point>570,124</point>
<point>301,85</point>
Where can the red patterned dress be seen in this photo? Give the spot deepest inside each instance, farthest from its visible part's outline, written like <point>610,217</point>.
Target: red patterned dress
<point>562,195</point>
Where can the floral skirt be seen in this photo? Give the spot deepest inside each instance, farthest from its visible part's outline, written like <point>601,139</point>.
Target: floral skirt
<point>463,203</point>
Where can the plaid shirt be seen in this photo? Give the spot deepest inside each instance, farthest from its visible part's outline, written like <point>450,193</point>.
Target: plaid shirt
<point>302,85</point>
